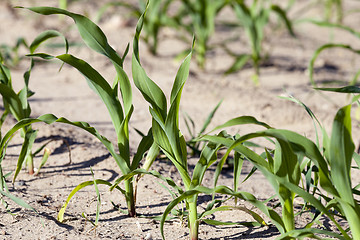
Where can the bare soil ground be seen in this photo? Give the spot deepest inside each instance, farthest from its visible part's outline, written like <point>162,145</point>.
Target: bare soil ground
<point>66,94</point>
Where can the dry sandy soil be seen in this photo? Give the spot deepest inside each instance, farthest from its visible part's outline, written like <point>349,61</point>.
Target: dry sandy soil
<point>66,94</point>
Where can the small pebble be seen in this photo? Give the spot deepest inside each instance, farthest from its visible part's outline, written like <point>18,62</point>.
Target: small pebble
<point>148,236</point>
<point>139,226</point>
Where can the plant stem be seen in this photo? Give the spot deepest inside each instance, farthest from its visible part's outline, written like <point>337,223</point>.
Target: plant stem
<point>30,163</point>
<point>193,220</point>
<point>129,196</point>
<point>288,212</point>
<point>352,216</point>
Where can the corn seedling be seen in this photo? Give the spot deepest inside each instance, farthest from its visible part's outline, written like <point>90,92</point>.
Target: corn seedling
<point>254,19</point>
<point>333,10</point>
<point>202,16</point>
<point>331,46</point>
<point>283,172</point>
<point>4,191</point>
<point>10,55</point>
<point>120,111</point>
<point>17,104</point>
<point>170,140</point>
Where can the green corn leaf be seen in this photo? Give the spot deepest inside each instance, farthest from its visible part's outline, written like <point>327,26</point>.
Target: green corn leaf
<point>299,144</point>
<point>319,50</point>
<point>159,134</point>
<point>61,213</point>
<point>151,92</point>
<point>42,37</point>
<point>89,31</point>
<point>165,126</point>
<point>190,125</point>
<point>240,121</point>
<point>285,161</point>
<point>17,200</point>
<point>109,97</point>
<point>122,163</point>
<point>29,139</point>
<point>43,160</point>
<point>49,119</point>
<point>225,141</point>
<point>341,152</point>
<point>181,76</point>
<point>5,75</point>
<point>144,145</point>
<point>270,160</point>
<point>176,141</point>
<point>177,158</point>
<point>94,37</point>
<point>104,90</point>
<point>239,63</point>
<point>282,14</point>
<point>259,220</point>
<point>243,13</point>
<point>207,157</point>
<point>340,157</point>
<point>41,55</point>
<point>151,156</point>
<point>13,102</point>
<point>356,158</point>
<point>220,223</point>
<point>238,163</point>
<point>286,166</point>
<point>99,85</point>
<point>347,89</point>
<point>311,114</point>
<point>23,96</point>
<point>9,134</point>
<point>26,89</point>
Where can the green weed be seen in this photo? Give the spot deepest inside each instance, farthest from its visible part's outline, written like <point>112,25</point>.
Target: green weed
<point>119,111</point>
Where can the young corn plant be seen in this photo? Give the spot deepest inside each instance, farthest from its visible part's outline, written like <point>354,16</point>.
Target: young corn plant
<point>120,111</point>
<point>17,104</point>
<point>9,55</point>
<point>202,14</point>
<point>324,47</point>
<point>4,142</point>
<point>333,10</point>
<point>254,19</point>
<point>166,133</point>
<point>283,172</point>
<point>334,7</point>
